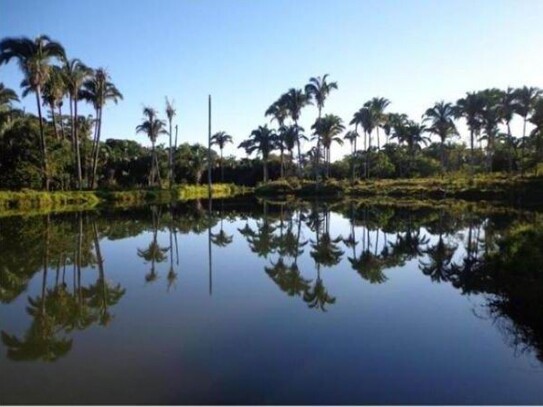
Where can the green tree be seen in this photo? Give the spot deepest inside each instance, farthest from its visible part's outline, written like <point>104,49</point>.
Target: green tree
<point>220,139</point>
<point>34,57</point>
<point>470,108</point>
<point>328,129</point>
<point>153,128</point>
<point>98,90</point>
<point>295,100</point>
<point>170,113</point>
<point>377,105</point>
<point>441,118</point>
<point>262,141</point>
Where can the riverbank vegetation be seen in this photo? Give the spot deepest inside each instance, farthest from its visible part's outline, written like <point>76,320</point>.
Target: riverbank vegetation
<point>59,151</point>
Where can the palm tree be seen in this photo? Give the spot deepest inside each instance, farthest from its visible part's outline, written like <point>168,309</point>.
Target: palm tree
<point>170,113</point>
<point>152,127</point>
<point>526,98</point>
<point>507,107</point>
<point>7,96</point>
<point>351,136</point>
<point>438,265</point>
<point>279,112</point>
<point>377,105</point>
<point>75,74</point>
<point>441,118</point>
<point>220,139</point>
<point>34,57</point>
<point>260,140</point>
<point>490,119</point>
<point>327,130</point>
<point>295,100</point>
<point>365,118</point>
<point>318,89</point>
<point>98,90</point>
<point>537,132</point>
<point>470,107</point>
<point>53,93</point>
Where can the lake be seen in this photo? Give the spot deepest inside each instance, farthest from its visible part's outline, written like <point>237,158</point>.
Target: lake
<point>273,303</point>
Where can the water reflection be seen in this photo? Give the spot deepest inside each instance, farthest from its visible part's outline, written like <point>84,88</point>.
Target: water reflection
<point>496,254</point>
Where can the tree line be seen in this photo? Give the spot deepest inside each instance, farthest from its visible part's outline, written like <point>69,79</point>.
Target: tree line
<point>65,150</point>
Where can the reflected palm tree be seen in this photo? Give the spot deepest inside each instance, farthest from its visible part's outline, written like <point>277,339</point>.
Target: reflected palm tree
<point>154,253</point>
<point>438,265</point>
<point>317,296</point>
<point>288,277</point>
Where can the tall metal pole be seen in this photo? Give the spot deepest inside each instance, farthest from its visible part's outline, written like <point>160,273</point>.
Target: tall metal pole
<point>209,197</point>
<point>209,150</point>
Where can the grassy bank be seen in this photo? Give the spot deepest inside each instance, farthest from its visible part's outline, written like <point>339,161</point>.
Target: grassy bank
<point>479,188</point>
<point>43,202</point>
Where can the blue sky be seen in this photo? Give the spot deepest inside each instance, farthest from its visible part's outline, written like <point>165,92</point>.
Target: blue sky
<point>245,53</point>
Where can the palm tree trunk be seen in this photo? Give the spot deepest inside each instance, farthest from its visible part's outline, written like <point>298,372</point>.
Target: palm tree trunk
<point>442,156</point>
<point>378,143</point>
<point>265,166</point>
<point>282,169</point>
<point>222,168</point>
<point>61,122</point>
<point>523,148</point>
<point>43,143</point>
<point>96,150</point>
<point>509,149</point>
<point>170,166</point>
<point>151,174</point>
<point>77,151</point>
<point>472,155</point>
<point>54,121</point>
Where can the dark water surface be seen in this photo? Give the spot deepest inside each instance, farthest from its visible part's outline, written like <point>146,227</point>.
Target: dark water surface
<point>318,303</point>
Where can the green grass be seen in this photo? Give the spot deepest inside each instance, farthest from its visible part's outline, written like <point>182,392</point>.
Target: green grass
<point>27,201</point>
<point>495,187</point>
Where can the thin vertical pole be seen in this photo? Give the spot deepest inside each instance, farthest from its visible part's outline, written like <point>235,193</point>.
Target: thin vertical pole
<point>209,150</point>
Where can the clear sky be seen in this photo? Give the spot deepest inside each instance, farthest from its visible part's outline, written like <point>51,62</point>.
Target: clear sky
<point>245,53</point>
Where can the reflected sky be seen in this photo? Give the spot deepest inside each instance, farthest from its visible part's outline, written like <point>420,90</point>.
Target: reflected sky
<point>309,304</point>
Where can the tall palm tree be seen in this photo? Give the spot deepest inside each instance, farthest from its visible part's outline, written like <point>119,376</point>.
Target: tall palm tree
<point>470,108</point>
<point>327,130</point>
<point>377,105</point>
<point>351,136</point>
<point>153,128</point>
<point>526,98</point>
<point>34,57</point>
<point>170,113</point>
<point>98,90</point>
<point>365,118</point>
<point>260,140</point>
<point>490,119</point>
<point>53,93</point>
<point>279,112</point>
<point>220,139</point>
<point>441,118</point>
<point>75,74</point>
<point>537,133</point>
<point>317,90</point>
<point>507,107</point>
<point>295,100</point>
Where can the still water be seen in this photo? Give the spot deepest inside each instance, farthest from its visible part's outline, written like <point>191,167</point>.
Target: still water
<point>259,303</point>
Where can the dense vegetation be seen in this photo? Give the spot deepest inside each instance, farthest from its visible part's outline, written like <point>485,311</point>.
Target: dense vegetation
<point>60,151</point>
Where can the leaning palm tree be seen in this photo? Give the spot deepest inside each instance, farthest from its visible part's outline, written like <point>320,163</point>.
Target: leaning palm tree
<point>377,105</point>
<point>152,127</point>
<point>260,140</point>
<point>441,118</point>
<point>318,90</point>
<point>98,90</point>
<point>34,57</point>
<point>220,139</point>
<point>75,74</point>
<point>470,107</point>
<point>327,130</point>
<point>170,113</point>
<point>295,100</point>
